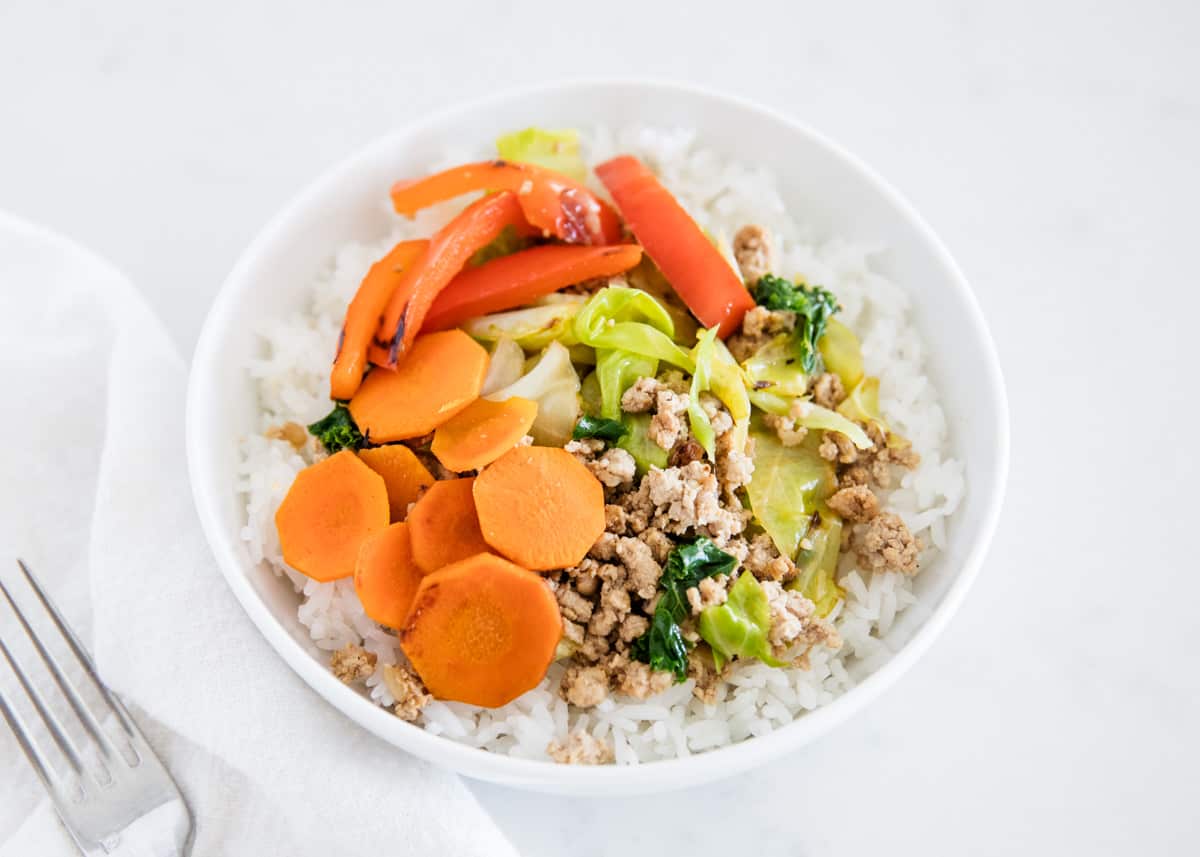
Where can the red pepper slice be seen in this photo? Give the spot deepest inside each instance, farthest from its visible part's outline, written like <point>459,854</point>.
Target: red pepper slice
<point>516,279</point>
<point>689,261</point>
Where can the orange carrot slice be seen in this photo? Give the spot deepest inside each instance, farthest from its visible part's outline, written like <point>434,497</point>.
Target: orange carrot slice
<point>515,280</point>
<point>689,261</point>
<point>444,526</point>
<point>385,576</point>
<point>552,202</point>
<point>362,317</point>
<point>441,375</point>
<point>330,509</point>
<point>540,507</point>
<point>448,251</point>
<point>482,432</point>
<point>482,631</point>
<point>403,474</point>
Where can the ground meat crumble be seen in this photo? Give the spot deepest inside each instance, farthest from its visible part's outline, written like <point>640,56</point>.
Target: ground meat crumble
<point>407,690</point>
<point>754,251</point>
<point>580,748</point>
<point>352,663</point>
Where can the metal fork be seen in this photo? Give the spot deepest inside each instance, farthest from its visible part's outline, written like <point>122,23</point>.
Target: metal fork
<point>115,797</point>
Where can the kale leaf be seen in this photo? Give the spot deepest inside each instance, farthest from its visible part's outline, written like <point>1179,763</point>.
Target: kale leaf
<point>337,430</point>
<point>663,646</point>
<point>609,430</point>
<point>813,305</point>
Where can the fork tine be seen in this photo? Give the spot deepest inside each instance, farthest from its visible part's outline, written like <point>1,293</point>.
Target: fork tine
<point>32,753</point>
<point>52,724</point>
<point>81,711</point>
<point>77,647</point>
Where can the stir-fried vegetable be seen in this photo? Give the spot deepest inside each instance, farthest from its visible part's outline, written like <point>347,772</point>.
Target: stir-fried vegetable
<point>818,565</point>
<point>617,370</point>
<point>636,441</point>
<point>841,352</point>
<point>862,405</point>
<point>553,383</point>
<point>515,280</point>
<point>531,327</point>
<point>625,319</point>
<point>510,240</point>
<point>336,430</point>
<point>788,485</point>
<point>554,150</point>
<point>447,252</point>
<point>701,426</point>
<point>700,274</point>
<point>813,306</point>
<point>775,368</point>
<point>506,363</point>
<point>553,203</point>
<point>816,417</point>
<point>739,627</point>
<point>663,646</point>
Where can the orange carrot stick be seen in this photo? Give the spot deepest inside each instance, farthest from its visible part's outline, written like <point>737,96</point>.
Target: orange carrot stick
<point>403,474</point>
<point>482,631</point>
<point>441,375</point>
<point>540,507</point>
<point>330,509</point>
<point>385,576</point>
<point>482,432</point>
<point>689,261</point>
<point>362,317</point>
<point>515,280</point>
<point>448,251</point>
<point>552,202</point>
<point>444,526</point>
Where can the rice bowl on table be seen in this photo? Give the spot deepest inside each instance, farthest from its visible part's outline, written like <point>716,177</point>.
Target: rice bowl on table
<point>602,455</point>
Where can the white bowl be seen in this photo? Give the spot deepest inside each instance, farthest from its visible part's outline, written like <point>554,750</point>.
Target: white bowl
<point>824,185</point>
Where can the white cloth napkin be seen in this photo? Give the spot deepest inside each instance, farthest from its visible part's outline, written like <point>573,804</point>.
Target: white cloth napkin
<point>96,491</point>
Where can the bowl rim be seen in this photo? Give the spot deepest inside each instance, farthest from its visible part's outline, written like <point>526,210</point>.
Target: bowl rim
<point>477,763</point>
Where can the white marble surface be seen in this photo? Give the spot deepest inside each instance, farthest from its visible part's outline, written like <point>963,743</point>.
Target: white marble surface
<point>1053,145</point>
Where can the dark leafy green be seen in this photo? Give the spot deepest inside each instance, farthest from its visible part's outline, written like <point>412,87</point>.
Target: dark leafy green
<point>663,646</point>
<point>337,430</point>
<point>608,430</point>
<point>813,305</point>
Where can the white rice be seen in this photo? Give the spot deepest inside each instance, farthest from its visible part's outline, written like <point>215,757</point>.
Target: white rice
<point>722,195</point>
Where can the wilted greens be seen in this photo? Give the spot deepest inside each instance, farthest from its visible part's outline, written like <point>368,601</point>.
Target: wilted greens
<point>337,430</point>
<point>818,565</point>
<point>813,306</point>
<point>663,646</point>
<point>598,427</point>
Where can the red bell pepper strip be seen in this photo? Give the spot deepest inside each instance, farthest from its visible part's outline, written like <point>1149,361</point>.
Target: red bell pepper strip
<point>689,261</point>
<point>516,279</point>
<point>362,316</point>
<point>552,202</point>
<point>446,254</point>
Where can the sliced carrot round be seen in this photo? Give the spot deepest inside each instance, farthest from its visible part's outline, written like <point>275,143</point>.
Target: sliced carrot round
<point>385,576</point>
<point>482,631</point>
<point>482,432</point>
<point>330,509</point>
<point>443,525</point>
<point>403,474</point>
<point>540,507</point>
<point>441,375</point>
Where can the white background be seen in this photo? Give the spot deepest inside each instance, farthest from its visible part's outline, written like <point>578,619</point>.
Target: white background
<point>1054,146</point>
